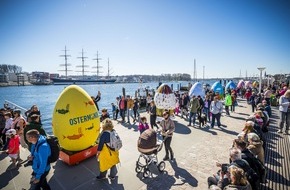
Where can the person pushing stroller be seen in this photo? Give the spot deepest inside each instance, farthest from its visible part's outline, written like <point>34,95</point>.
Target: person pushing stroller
<point>168,128</point>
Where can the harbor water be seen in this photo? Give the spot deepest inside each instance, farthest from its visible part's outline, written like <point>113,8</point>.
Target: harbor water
<point>46,96</point>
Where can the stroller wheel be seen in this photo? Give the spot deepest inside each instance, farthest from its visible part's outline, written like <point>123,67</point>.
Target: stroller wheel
<point>146,173</point>
<point>161,166</point>
<point>138,169</point>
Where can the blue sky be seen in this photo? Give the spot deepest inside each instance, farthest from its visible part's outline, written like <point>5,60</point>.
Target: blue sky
<point>148,36</point>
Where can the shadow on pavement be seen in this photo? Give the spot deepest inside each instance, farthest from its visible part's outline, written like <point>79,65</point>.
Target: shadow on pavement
<point>7,176</point>
<point>181,129</point>
<point>183,175</point>
<point>207,129</point>
<point>239,118</point>
<point>162,181</point>
<point>242,114</point>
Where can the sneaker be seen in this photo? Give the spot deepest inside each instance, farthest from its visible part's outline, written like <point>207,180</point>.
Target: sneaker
<point>166,158</point>
<point>279,131</point>
<point>111,177</point>
<point>100,178</point>
<point>286,132</point>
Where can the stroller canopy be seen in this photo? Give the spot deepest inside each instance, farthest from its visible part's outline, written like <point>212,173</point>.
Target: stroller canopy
<point>147,140</point>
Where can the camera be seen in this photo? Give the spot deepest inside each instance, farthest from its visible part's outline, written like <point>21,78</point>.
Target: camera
<point>224,168</point>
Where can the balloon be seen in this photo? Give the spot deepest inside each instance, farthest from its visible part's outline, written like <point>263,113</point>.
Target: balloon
<point>164,97</point>
<point>197,89</point>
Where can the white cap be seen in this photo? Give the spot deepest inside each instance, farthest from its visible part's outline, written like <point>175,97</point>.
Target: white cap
<point>11,132</point>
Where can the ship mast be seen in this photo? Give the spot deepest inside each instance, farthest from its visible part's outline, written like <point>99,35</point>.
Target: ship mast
<point>98,66</point>
<point>83,64</point>
<point>109,70</point>
<point>65,65</point>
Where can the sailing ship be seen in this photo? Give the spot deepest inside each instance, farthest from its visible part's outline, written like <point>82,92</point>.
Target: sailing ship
<point>83,79</point>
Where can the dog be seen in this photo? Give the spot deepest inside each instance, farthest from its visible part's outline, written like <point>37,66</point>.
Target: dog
<point>202,119</point>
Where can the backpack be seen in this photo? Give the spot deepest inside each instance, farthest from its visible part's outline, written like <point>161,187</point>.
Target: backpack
<point>115,140</point>
<point>260,167</point>
<point>53,143</point>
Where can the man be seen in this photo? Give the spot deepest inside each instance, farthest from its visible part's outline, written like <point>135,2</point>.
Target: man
<point>284,108</point>
<point>33,124</point>
<point>201,105</point>
<point>40,151</point>
<point>216,108</point>
<point>130,105</point>
<point>97,99</point>
<point>123,108</point>
<point>193,107</point>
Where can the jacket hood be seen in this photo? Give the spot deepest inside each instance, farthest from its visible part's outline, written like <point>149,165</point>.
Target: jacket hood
<point>41,139</point>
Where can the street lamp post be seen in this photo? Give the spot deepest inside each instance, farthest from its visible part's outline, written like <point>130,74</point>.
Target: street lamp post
<point>261,69</point>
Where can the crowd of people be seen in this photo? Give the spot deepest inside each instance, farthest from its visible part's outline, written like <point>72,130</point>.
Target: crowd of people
<point>26,132</point>
<point>246,155</point>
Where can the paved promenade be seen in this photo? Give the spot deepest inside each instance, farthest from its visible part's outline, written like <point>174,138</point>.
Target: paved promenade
<point>196,152</point>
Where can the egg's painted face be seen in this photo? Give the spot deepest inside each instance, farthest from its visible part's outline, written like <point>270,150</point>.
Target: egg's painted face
<point>164,98</point>
<point>75,119</point>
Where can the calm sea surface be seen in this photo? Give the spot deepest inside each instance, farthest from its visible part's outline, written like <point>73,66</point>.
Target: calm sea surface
<point>46,96</point>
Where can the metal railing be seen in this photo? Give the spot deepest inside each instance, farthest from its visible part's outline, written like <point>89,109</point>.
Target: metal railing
<point>13,106</point>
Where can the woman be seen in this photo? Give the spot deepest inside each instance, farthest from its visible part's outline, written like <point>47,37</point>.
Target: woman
<point>19,125</point>
<point>33,110</point>
<point>256,146</point>
<point>108,158</point>
<point>216,108</point>
<point>168,128</point>
<point>238,180</point>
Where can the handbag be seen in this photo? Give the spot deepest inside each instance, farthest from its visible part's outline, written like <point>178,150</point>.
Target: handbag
<point>108,158</point>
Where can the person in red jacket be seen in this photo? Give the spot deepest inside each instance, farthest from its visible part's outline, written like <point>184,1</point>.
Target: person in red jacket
<point>13,147</point>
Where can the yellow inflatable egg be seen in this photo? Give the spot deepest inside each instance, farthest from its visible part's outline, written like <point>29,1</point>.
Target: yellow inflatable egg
<point>75,119</point>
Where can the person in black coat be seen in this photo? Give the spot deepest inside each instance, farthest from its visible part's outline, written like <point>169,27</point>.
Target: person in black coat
<point>96,99</point>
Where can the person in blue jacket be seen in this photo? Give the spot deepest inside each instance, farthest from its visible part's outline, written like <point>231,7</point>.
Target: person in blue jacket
<point>40,152</point>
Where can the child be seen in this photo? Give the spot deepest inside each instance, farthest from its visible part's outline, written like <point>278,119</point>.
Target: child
<point>114,109</point>
<point>143,125</point>
<point>13,147</point>
<point>8,125</point>
<point>104,115</point>
<point>259,120</point>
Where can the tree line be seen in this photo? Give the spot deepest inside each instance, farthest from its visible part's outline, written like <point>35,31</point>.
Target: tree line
<point>10,69</point>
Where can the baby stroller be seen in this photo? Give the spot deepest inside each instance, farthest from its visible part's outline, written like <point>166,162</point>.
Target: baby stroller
<point>147,162</point>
